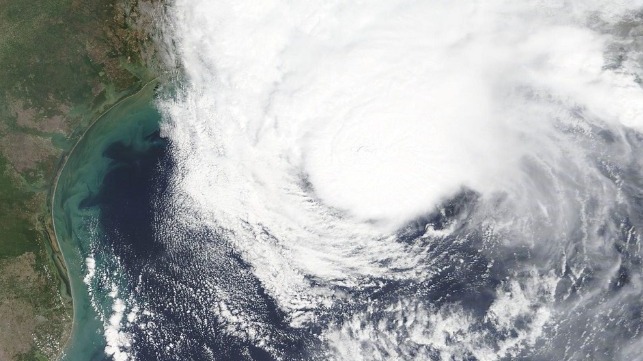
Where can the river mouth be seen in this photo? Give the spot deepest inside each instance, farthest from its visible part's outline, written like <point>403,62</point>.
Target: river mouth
<point>101,205</point>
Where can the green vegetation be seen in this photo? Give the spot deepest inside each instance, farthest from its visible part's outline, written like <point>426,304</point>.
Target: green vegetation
<point>62,63</point>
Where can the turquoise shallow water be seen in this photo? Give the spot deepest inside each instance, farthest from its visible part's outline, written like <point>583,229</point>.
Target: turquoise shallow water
<point>129,123</point>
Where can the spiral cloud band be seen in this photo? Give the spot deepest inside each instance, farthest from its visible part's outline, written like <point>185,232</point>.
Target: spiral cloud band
<point>405,179</point>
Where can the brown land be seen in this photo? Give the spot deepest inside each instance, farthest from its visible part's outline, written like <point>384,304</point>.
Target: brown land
<point>62,64</point>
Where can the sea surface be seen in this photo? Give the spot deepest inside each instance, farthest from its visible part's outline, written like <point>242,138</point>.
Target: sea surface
<point>133,297</point>
<point>102,202</point>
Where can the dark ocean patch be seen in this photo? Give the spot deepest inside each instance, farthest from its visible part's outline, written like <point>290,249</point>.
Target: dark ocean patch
<point>177,286</point>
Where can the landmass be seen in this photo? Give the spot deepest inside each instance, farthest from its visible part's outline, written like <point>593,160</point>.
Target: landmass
<point>62,64</point>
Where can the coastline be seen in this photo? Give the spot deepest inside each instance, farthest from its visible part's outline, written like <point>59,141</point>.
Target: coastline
<point>57,255</point>
<point>64,66</point>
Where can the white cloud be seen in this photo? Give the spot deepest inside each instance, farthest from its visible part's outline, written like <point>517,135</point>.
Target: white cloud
<point>387,108</point>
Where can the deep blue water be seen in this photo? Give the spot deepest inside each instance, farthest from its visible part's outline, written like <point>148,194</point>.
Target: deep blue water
<point>126,198</point>
<point>172,283</point>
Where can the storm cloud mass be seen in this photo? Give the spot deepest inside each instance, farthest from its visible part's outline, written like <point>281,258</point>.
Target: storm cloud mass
<point>403,180</point>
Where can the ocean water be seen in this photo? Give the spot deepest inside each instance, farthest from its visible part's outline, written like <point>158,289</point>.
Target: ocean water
<point>112,203</point>
<point>105,180</point>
